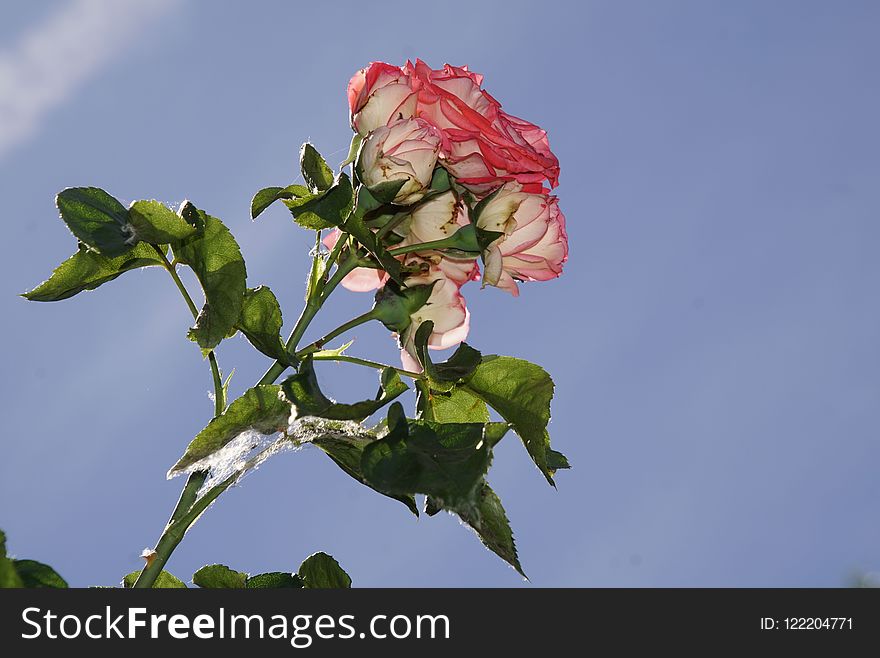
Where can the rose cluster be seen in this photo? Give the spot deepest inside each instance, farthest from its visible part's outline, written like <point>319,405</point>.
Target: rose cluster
<point>417,122</point>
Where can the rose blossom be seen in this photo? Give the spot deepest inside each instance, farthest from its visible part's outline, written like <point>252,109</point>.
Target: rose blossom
<point>534,245</point>
<point>484,146</point>
<point>405,150</point>
<point>379,94</point>
<point>436,219</point>
<point>445,308</point>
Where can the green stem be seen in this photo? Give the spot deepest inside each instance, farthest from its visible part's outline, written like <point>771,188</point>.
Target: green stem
<point>366,362</point>
<point>219,397</point>
<point>174,531</point>
<point>422,246</point>
<point>189,507</point>
<point>311,308</point>
<point>390,226</point>
<point>188,510</point>
<point>341,329</point>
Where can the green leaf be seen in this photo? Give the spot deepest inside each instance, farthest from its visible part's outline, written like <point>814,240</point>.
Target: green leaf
<point>274,580</point>
<point>317,174</point>
<point>324,209</point>
<point>96,219</point>
<point>521,392</point>
<point>321,571</point>
<point>304,393</point>
<point>489,521</point>
<point>155,223</point>
<point>9,577</point>
<point>35,574</point>
<point>556,461</point>
<point>261,323</point>
<point>214,256</point>
<point>164,581</point>
<point>460,365</point>
<point>457,405</point>
<point>386,191</point>
<point>440,180</point>
<point>269,195</point>
<point>219,576</point>
<point>346,449</point>
<point>262,409</point>
<point>87,269</point>
<point>445,460</point>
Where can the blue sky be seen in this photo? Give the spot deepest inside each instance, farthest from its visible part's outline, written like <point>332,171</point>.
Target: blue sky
<point>714,338</point>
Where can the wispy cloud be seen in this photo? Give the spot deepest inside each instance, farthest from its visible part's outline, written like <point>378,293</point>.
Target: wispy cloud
<point>52,60</point>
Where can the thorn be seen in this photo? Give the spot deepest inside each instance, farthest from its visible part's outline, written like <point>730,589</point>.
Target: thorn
<point>149,555</point>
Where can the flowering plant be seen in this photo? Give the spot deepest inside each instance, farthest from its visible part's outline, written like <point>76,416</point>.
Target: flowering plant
<point>445,189</point>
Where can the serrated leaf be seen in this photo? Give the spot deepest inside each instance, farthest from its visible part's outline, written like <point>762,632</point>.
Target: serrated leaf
<point>261,323</point>
<point>262,409</point>
<point>521,392</point>
<point>35,574</point>
<point>215,258</point>
<point>275,580</point>
<point>269,195</point>
<point>324,209</point>
<point>489,521</point>
<point>96,219</point>
<point>87,269</point>
<point>164,580</point>
<point>305,395</point>
<point>219,576</point>
<point>346,451</point>
<point>155,223</point>
<point>317,174</point>
<point>322,571</point>
<point>445,460</point>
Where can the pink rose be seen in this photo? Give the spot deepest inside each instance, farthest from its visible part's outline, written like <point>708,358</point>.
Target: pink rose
<point>436,219</point>
<point>379,94</point>
<point>534,245</point>
<point>405,150</point>
<point>484,146</point>
<point>445,308</point>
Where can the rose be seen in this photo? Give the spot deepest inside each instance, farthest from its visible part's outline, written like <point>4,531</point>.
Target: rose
<point>379,94</point>
<point>534,244</point>
<point>404,151</point>
<point>484,146</point>
<point>445,308</point>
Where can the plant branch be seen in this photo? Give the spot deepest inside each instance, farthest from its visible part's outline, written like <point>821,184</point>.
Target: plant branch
<point>367,363</point>
<point>341,329</point>
<point>309,311</point>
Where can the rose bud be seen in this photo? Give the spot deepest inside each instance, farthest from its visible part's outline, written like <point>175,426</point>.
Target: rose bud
<point>396,162</point>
